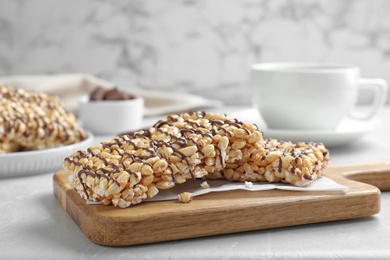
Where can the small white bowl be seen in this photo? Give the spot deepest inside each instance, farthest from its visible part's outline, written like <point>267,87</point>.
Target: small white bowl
<point>111,116</point>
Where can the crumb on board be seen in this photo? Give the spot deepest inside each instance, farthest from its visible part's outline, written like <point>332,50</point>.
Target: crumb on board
<point>248,184</point>
<point>185,197</point>
<point>205,185</point>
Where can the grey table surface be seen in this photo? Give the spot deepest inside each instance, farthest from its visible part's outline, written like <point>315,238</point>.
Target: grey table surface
<point>33,225</point>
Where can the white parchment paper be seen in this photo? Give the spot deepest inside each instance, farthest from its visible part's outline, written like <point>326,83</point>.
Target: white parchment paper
<point>193,186</point>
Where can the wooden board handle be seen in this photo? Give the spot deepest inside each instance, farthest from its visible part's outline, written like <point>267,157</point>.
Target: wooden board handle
<point>376,174</point>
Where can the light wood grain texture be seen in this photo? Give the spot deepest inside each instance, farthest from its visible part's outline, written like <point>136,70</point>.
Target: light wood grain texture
<point>226,212</point>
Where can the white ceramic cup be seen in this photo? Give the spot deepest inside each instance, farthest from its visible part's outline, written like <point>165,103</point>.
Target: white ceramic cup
<point>311,96</point>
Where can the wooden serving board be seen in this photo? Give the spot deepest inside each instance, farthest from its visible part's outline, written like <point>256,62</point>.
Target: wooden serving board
<point>227,212</point>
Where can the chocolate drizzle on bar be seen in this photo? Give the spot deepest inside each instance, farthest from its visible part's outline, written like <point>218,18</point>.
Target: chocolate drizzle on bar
<point>281,159</point>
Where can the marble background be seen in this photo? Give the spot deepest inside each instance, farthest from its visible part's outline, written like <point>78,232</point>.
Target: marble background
<point>197,46</point>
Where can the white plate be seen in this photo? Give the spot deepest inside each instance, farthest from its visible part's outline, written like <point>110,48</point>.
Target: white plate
<point>40,161</point>
<point>162,103</point>
<point>348,131</point>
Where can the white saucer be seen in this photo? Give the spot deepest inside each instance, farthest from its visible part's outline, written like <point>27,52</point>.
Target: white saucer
<point>348,131</point>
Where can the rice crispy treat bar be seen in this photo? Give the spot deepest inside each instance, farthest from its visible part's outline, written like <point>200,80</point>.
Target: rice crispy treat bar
<point>239,138</point>
<point>8,146</point>
<point>132,167</point>
<point>30,121</point>
<point>298,164</point>
<point>249,158</point>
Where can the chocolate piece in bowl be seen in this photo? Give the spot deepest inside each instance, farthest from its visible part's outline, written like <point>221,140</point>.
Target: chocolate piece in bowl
<point>115,94</point>
<point>101,93</point>
<point>98,94</point>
